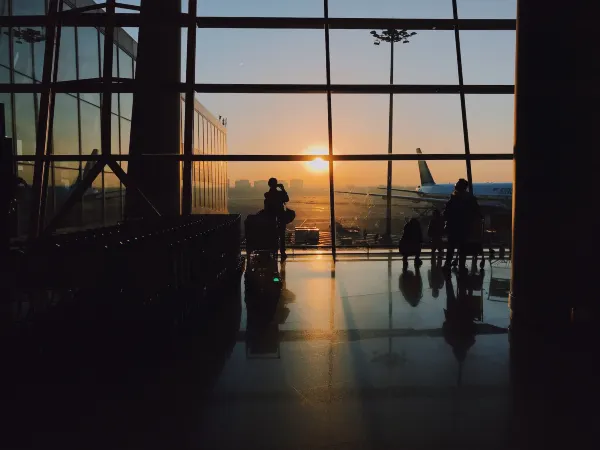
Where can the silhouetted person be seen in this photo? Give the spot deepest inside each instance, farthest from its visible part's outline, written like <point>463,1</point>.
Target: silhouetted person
<point>275,199</point>
<point>411,286</point>
<point>460,214</point>
<point>435,232</point>
<point>410,243</point>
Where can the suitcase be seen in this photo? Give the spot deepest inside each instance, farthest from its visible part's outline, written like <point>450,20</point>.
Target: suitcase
<point>261,233</point>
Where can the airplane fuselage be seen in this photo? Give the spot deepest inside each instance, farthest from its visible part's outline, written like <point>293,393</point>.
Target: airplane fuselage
<point>497,195</point>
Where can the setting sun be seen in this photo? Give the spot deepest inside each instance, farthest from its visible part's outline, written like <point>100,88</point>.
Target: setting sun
<point>317,165</point>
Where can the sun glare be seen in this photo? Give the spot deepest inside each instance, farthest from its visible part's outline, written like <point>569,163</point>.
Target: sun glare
<point>317,165</point>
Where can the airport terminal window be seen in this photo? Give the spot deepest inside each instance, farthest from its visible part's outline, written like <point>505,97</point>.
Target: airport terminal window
<point>267,124</point>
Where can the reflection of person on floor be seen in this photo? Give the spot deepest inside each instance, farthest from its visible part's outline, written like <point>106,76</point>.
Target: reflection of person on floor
<point>410,243</point>
<point>436,276</point>
<point>411,286</point>
<point>275,199</point>
<point>435,232</point>
<point>460,213</point>
<point>458,328</point>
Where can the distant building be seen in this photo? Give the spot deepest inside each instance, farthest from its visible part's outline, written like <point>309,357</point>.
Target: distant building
<point>261,185</point>
<point>242,184</point>
<point>297,185</point>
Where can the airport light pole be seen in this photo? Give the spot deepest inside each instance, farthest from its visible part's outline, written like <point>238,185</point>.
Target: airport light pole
<point>390,36</point>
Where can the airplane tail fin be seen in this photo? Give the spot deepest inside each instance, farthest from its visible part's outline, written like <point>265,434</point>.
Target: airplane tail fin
<point>424,172</point>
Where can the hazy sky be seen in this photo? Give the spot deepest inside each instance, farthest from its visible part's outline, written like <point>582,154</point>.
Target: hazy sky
<point>271,124</point>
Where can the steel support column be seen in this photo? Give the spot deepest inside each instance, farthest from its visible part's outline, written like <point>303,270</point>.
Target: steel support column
<point>463,104</point>
<point>44,120</point>
<point>188,142</point>
<point>156,116</point>
<point>330,130</point>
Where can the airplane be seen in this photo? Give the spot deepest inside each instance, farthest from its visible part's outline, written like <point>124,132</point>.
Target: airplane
<point>493,198</point>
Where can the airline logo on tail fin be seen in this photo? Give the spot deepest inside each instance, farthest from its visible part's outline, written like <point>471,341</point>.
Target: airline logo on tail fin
<point>425,174</point>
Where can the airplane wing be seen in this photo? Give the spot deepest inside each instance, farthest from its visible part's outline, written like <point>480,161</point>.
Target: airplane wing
<point>412,198</point>
<point>410,191</point>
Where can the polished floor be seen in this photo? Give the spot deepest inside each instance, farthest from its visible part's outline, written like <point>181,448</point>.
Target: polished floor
<point>357,354</point>
<point>359,359</point>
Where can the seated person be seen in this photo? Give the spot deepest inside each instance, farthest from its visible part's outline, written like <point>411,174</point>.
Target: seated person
<point>410,243</point>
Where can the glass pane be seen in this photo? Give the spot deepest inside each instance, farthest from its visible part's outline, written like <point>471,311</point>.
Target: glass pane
<point>89,65</point>
<point>438,9</point>
<point>114,107</point>
<point>271,123</point>
<point>28,53</point>
<point>93,204</point>
<point>101,35</point>
<point>311,204</point>
<point>67,55</point>
<point>126,105</point>
<point>125,137</point>
<point>5,99</point>
<point>64,180</point>
<point>25,124</point>
<point>66,129</point>
<point>113,198</point>
<point>248,56</point>
<point>115,141</point>
<point>5,34</point>
<point>428,58</point>
<point>90,128</point>
<point>474,9</point>
<point>28,7</point>
<point>115,60</point>
<point>125,65</point>
<point>361,124</point>
<point>24,199</point>
<point>22,56</point>
<point>260,8</point>
<point>491,123</point>
<point>488,56</point>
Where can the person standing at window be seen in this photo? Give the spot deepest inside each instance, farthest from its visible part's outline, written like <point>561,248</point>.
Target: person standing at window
<point>275,199</point>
